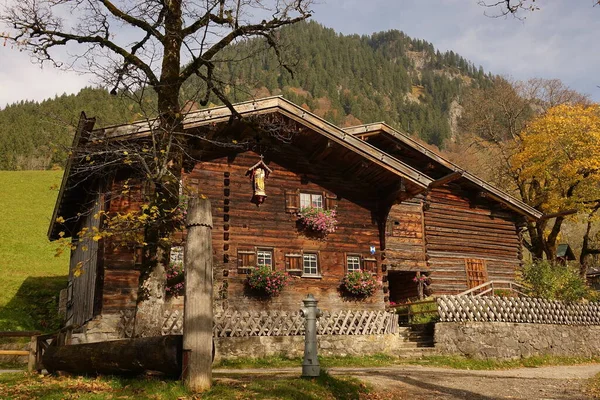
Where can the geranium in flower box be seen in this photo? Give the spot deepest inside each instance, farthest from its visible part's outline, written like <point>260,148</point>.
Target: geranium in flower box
<point>318,220</point>
<point>267,282</point>
<point>360,283</point>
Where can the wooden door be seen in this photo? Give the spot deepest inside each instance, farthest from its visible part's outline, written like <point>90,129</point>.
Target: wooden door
<point>476,272</point>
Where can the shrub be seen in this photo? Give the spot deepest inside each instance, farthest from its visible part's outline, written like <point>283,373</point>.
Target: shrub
<point>266,281</point>
<point>359,283</point>
<point>554,281</point>
<point>418,312</point>
<point>318,220</point>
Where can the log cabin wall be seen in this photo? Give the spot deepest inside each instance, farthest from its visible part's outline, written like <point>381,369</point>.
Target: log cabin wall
<point>405,243</point>
<point>121,272</point>
<point>241,227</point>
<point>466,233</point>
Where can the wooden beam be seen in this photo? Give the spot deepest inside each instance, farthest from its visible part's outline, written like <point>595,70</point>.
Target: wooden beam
<point>321,151</point>
<point>117,357</point>
<point>14,353</point>
<point>19,334</point>
<point>559,214</point>
<point>446,179</point>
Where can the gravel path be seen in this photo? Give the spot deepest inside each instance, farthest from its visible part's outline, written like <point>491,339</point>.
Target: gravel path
<point>428,383</point>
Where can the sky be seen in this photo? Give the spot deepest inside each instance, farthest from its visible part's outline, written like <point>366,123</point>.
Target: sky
<point>558,41</point>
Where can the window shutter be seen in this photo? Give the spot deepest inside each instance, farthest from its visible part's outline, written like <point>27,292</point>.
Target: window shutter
<point>251,260</point>
<point>246,258</point>
<point>330,201</point>
<point>293,264</point>
<point>370,265</point>
<point>292,201</point>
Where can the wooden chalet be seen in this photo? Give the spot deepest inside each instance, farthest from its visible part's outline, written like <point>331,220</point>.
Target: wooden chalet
<point>402,212</point>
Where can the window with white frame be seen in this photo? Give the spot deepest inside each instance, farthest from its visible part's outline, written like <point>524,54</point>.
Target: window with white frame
<point>311,200</point>
<point>264,257</point>
<point>352,263</point>
<point>310,265</point>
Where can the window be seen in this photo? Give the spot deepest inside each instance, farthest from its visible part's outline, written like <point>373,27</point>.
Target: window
<point>311,200</point>
<point>310,264</point>
<point>251,257</point>
<point>352,263</point>
<point>264,257</point>
<point>294,201</point>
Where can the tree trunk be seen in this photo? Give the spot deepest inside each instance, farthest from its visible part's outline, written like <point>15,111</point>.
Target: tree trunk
<point>198,308</point>
<point>166,175</point>
<point>586,248</point>
<point>130,356</point>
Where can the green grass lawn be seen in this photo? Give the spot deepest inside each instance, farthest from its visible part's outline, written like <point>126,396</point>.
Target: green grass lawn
<point>383,360</point>
<point>30,274</point>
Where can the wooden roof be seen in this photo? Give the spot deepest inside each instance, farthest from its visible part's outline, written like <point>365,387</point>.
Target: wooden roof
<point>68,197</point>
<point>445,166</point>
<point>563,250</point>
<point>379,164</point>
<point>354,140</point>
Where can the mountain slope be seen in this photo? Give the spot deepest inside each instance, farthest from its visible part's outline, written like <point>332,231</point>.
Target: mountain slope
<point>348,80</point>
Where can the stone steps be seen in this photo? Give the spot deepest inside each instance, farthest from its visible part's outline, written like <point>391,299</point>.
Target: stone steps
<point>416,338</point>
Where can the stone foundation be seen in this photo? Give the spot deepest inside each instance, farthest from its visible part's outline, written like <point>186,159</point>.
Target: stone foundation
<point>293,346</point>
<point>102,328</point>
<point>503,340</point>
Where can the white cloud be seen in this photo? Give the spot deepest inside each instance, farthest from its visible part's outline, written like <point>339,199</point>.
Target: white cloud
<point>20,79</point>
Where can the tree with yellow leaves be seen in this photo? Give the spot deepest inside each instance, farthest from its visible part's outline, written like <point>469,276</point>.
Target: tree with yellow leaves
<point>557,167</point>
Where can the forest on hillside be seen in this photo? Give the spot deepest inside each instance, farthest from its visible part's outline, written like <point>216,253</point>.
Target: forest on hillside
<point>348,80</point>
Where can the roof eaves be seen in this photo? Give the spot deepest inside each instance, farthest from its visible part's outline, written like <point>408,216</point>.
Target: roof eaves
<point>496,193</point>
<point>84,125</point>
<point>278,103</point>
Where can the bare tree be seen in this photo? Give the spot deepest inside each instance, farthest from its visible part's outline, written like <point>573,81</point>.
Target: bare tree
<point>516,8</point>
<point>157,44</point>
<point>502,8</point>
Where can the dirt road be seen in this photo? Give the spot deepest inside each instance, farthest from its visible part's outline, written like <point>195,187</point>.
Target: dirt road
<point>427,383</point>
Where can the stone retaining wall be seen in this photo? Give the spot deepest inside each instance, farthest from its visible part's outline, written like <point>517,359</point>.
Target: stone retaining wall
<point>504,340</point>
<point>293,346</point>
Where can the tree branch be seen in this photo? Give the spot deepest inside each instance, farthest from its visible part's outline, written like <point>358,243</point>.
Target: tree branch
<point>143,25</point>
<point>254,29</point>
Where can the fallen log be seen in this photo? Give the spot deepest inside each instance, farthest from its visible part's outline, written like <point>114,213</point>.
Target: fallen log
<point>159,354</point>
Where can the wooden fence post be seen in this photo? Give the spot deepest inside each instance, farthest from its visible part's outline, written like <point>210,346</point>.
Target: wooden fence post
<point>198,304</point>
<point>31,361</point>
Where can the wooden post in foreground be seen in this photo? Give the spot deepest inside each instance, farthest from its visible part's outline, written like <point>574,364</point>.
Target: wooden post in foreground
<point>31,361</point>
<point>198,305</point>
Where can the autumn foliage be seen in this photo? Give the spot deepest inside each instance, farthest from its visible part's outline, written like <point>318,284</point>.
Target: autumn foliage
<point>559,160</point>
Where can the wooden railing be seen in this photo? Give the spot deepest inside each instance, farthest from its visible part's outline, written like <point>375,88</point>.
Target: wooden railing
<point>38,345</point>
<point>409,314</point>
<point>490,289</point>
<point>32,346</point>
